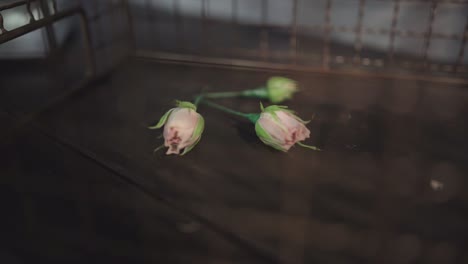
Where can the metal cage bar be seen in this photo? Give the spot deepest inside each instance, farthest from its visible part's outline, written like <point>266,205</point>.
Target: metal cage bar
<point>326,36</point>
<point>331,61</point>
<point>396,10</point>
<point>51,38</point>
<point>461,52</point>
<point>358,39</point>
<point>264,35</point>
<point>293,39</point>
<point>48,20</point>
<point>325,31</point>
<point>428,35</point>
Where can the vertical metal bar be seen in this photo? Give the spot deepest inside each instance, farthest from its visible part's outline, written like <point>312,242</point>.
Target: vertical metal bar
<point>178,29</point>
<point>293,39</point>
<point>150,16</point>
<point>81,4</point>
<point>204,9</point>
<point>98,24</point>
<point>50,33</point>
<point>149,13</point>
<point>264,10</point>
<point>326,37</point>
<point>358,39</point>
<point>427,40</point>
<point>391,46</point>
<point>234,35</point>
<point>18,32</point>
<point>204,13</point>
<point>99,35</point>
<point>461,52</point>
<point>264,33</point>
<point>28,7</point>
<point>131,32</point>
<point>234,4</point>
<point>2,27</point>
<point>114,31</point>
<point>54,6</point>
<point>90,59</point>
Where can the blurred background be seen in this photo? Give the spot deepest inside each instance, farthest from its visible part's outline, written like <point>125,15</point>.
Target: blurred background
<point>383,81</point>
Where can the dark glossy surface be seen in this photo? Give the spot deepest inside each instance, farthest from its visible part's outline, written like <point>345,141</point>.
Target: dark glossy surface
<point>92,190</point>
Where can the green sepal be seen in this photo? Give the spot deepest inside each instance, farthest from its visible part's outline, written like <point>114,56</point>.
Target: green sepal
<point>163,120</point>
<point>253,117</point>
<point>300,119</point>
<point>158,148</point>
<point>197,132</point>
<point>189,148</point>
<point>309,147</point>
<point>273,108</point>
<point>185,104</point>
<point>267,138</point>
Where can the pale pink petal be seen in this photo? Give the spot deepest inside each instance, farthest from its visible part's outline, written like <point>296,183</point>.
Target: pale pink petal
<point>286,119</point>
<point>179,128</point>
<point>285,129</point>
<point>273,128</point>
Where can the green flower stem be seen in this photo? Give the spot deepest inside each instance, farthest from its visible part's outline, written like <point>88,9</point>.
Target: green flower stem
<point>222,95</point>
<point>198,99</point>
<point>309,147</point>
<point>260,92</point>
<point>253,117</point>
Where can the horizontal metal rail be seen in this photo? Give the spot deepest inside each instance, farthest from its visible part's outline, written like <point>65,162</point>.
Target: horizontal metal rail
<point>324,58</point>
<point>285,67</point>
<point>15,4</point>
<point>43,22</point>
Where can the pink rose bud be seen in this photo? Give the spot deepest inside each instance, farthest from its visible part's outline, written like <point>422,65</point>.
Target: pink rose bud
<point>183,128</point>
<point>280,89</point>
<point>281,129</point>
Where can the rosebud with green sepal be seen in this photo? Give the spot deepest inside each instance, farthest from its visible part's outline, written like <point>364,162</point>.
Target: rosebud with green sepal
<point>281,129</point>
<point>280,89</point>
<point>277,90</point>
<point>183,128</point>
<point>276,126</point>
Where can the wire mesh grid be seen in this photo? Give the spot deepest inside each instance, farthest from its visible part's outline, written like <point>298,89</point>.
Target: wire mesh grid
<point>416,37</point>
<point>103,27</point>
<point>114,27</point>
<point>99,42</point>
<point>413,38</point>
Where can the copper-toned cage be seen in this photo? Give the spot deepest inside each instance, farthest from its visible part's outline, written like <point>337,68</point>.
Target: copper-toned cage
<point>389,115</point>
<point>292,45</point>
<point>298,52</point>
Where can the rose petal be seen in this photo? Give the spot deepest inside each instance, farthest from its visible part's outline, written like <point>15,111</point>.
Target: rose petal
<point>285,129</point>
<point>179,129</point>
